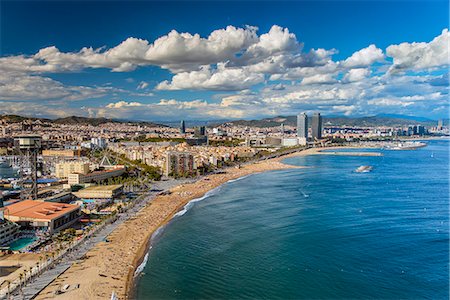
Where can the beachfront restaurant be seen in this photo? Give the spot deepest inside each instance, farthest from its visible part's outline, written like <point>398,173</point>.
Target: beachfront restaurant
<point>94,198</point>
<point>39,215</point>
<point>100,192</point>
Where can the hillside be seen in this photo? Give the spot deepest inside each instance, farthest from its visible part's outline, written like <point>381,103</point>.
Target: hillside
<point>74,120</point>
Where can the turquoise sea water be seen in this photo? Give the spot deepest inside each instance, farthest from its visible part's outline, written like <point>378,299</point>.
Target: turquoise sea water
<point>325,232</point>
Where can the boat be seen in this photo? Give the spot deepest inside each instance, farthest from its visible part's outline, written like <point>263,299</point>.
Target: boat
<point>364,169</point>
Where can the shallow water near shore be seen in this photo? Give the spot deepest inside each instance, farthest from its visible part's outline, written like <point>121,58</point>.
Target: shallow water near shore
<point>322,232</point>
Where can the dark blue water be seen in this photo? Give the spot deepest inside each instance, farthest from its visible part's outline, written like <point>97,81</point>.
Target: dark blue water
<point>323,232</point>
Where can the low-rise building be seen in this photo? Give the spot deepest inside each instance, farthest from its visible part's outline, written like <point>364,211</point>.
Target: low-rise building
<point>100,192</point>
<point>96,176</point>
<point>40,215</point>
<point>63,169</point>
<point>61,152</point>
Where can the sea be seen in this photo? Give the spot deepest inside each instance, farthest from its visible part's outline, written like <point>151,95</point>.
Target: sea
<point>322,232</point>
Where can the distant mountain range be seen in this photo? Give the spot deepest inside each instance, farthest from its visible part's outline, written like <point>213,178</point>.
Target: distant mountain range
<point>379,120</point>
<point>74,120</point>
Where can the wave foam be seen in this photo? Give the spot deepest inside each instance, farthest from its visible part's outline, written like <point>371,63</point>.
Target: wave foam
<point>188,205</point>
<point>141,267</point>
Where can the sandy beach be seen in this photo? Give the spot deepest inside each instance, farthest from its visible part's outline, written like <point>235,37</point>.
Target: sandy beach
<point>110,266</point>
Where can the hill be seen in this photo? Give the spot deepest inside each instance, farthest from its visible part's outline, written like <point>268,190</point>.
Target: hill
<point>74,120</point>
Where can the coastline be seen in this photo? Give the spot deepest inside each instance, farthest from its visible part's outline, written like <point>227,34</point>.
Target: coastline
<point>110,266</point>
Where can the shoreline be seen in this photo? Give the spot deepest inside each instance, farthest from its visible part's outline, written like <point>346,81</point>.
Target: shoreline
<point>108,267</point>
<point>132,282</point>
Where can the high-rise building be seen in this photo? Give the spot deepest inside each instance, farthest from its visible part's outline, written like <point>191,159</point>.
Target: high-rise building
<point>316,126</point>
<point>420,130</point>
<point>440,124</point>
<point>410,131</point>
<point>182,127</point>
<point>98,142</point>
<point>282,128</point>
<point>302,125</point>
<point>200,131</point>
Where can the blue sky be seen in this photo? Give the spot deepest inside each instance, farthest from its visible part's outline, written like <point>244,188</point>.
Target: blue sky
<point>250,59</point>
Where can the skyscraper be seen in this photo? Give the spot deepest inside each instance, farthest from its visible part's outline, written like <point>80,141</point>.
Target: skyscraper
<point>182,127</point>
<point>200,131</point>
<point>440,124</point>
<point>302,125</point>
<point>316,126</point>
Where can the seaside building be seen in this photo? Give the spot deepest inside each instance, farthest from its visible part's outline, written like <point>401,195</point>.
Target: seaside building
<point>96,176</point>
<point>420,130</point>
<point>39,215</point>
<point>179,164</point>
<point>316,126</point>
<point>440,124</point>
<point>273,141</point>
<point>9,231</point>
<point>100,192</point>
<point>302,126</point>
<point>62,170</point>
<point>182,127</point>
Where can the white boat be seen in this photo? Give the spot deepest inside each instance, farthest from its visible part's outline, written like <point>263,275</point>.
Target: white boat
<point>364,169</point>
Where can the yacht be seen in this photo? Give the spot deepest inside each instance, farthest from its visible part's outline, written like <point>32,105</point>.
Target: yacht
<point>363,169</point>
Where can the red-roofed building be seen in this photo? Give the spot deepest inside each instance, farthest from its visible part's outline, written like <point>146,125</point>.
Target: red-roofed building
<point>47,216</point>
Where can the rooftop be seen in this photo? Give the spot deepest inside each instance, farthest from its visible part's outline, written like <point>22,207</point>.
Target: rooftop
<point>39,209</point>
<point>102,188</point>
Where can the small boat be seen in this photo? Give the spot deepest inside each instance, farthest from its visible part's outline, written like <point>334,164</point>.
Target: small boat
<point>364,169</point>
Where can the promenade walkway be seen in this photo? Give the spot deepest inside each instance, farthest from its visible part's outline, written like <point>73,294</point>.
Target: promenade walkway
<point>38,283</point>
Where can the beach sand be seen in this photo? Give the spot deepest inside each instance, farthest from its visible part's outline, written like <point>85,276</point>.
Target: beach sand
<point>110,266</point>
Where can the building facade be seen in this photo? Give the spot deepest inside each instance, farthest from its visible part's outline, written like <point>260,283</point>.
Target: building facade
<point>316,126</point>
<point>40,215</point>
<point>302,126</point>
<point>182,127</point>
<point>61,152</point>
<point>9,231</point>
<point>96,176</point>
<point>179,164</point>
<point>100,192</point>
<point>62,170</point>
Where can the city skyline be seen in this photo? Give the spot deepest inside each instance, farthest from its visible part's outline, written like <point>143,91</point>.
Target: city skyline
<point>277,59</point>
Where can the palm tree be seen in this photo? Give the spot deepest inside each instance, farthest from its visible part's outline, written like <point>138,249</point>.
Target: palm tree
<point>20,280</point>
<point>9,287</point>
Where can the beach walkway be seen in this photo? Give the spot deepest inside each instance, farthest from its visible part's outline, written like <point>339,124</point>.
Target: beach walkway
<point>32,288</point>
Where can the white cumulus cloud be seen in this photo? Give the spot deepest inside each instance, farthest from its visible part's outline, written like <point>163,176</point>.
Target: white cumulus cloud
<point>417,56</point>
